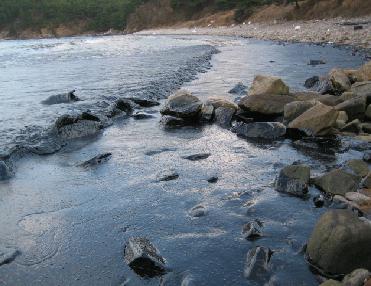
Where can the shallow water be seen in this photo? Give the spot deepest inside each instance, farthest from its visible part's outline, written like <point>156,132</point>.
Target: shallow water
<point>71,224</point>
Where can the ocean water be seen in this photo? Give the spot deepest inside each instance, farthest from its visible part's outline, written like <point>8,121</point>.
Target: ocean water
<point>71,224</point>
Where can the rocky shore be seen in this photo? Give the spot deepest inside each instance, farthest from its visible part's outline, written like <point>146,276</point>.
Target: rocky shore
<point>355,32</point>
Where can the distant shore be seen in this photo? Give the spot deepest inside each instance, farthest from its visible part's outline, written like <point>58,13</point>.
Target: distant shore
<point>355,32</point>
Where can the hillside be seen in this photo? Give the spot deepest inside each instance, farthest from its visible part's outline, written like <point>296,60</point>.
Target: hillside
<point>47,18</point>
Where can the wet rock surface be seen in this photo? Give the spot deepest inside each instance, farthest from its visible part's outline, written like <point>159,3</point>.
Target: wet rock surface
<point>197,157</point>
<point>61,98</point>
<point>257,263</point>
<point>260,130</point>
<point>183,105</point>
<point>293,180</point>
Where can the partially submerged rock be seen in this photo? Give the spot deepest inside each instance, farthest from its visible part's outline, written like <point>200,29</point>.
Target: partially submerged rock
<point>338,182</point>
<point>260,130</point>
<point>5,171</point>
<point>144,258</point>
<point>268,85</point>
<point>317,120</point>
<point>198,211</point>
<point>223,116</point>
<point>355,107</point>
<point>197,157</point>
<point>8,254</point>
<point>352,127</point>
<point>238,89</point>
<point>293,180</point>
<point>172,122</point>
<point>257,262</point>
<point>338,237</point>
<point>252,230</point>
<point>167,175</point>
<point>142,116</point>
<point>97,160</point>
<point>183,105</point>
<point>61,98</point>
<point>358,167</point>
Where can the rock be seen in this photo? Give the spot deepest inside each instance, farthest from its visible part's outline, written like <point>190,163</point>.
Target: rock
<point>268,85</point>
<point>172,122</point>
<point>331,283</point>
<point>121,105</point>
<point>357,278</point>
<point>368,112</point>
<point>295,108</point>
<point>347,95</point>
<point>218,102</point>
<point>61,98</point>
<point>168,175</point>
<point>340,81</point>
<point>238,89</point>
<point>366,127</point>
<point>360,199</point>
<point>252,230</point>
<point>338,237</point>
<point>353,127</point>
<point>319,201</point>
<point>362,89</point>
<point>142,116</point>
<point>223,116</point>
<point>317,120</point>
<point>207,113</point>
<point>311,82</point>
<point>355,107</point>
<point>5,171</point>
<point>265,105</point>
<point>367,157</point>
<point>183,105</point>
<point>338,182</point>
<point>293,180</point>
<point>330,100</point>
<point>97,160</point>
<point>343,116</point>
<point>324,86</point>
<point>213,180</point>
<point>8,254</point>
<point>364,73</point>
<point>144,258</point>
<point>197,157</point>
<point>316,62</point>
<point>71,127</point>
<point>340,124</point>
<point>198,211</point>
<point>257,262</point>
<point>359,167</point>
<point>367,181</point>
<point>260,130</point>
<point>144,102</point>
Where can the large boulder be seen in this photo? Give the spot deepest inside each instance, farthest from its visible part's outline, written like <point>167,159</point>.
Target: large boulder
<point>224,116</point>
<point>364,73</point>
<point>339,80</point>
<point>268,85</point>
<point>8,254</point>
<point>144,258</point>
<point>293,109</point>
<point>293,180</point>
<point>317,120</point>
<point>355,107</point>
<point>340,243</point>
<point>183,105</point>
<point>260,130</point>
<point>338,182</point>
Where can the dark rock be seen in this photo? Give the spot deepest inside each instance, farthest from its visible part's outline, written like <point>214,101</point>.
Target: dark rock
<point>366,127</point>
<point>318,145</point>
<point>339,236</point>
<point>242,116</point>
<point>207,113</point>
<point>144,102</point>
<point>213,180</point>
<point>88,116</point>
<point>142,116</point>
<point>8,254</point>
<point>355,107</point>
<point>97,160</point>
<point>338,182</point>
<point>257,262</point>
<point>61,98</point>
<point>144,258</point>
<point>330,100</point>
<point>353,127</point>
<point>172,122</point>
<point>197,157</point>
<point>311,82</point>
<point>316,62</point>
<point>239,89</point>
<point>260,130</point>
<point>198,211</point>
<point>293,180</point>
<point>367,157</point>
<point>183,105</point>
<point>167,175</point>
<point>223,116</point>
<point>252,230</point>
<point>340,81</point>
<point>319,201</point>
<point>5,171</point>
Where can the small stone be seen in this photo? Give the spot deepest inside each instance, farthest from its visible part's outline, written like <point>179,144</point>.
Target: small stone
<point>198,211</point>
<point>319,201</point>
<point>213,180</point>
<point>97,160</point>
<point>5,171</point>
<point>197,157</point>
<point>144,258</point>
<point>316,62</point>
<point>8,254</point>
<point>252,230</point>
<point>293,180</point>
<point>167,175</point>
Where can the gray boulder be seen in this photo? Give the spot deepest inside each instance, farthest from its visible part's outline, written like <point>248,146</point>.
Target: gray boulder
<point>338,182</point>
<point>144,258</point>
<point>224,116</point>
<point>355,107</point>
<point>294,109</point>
<point>257,263</point>
<point>183,105</point>
<point>61,98</point>
<point>293,180</point>
<point>362,88</point>
<point>338,237</point>
<point>260,130</point>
